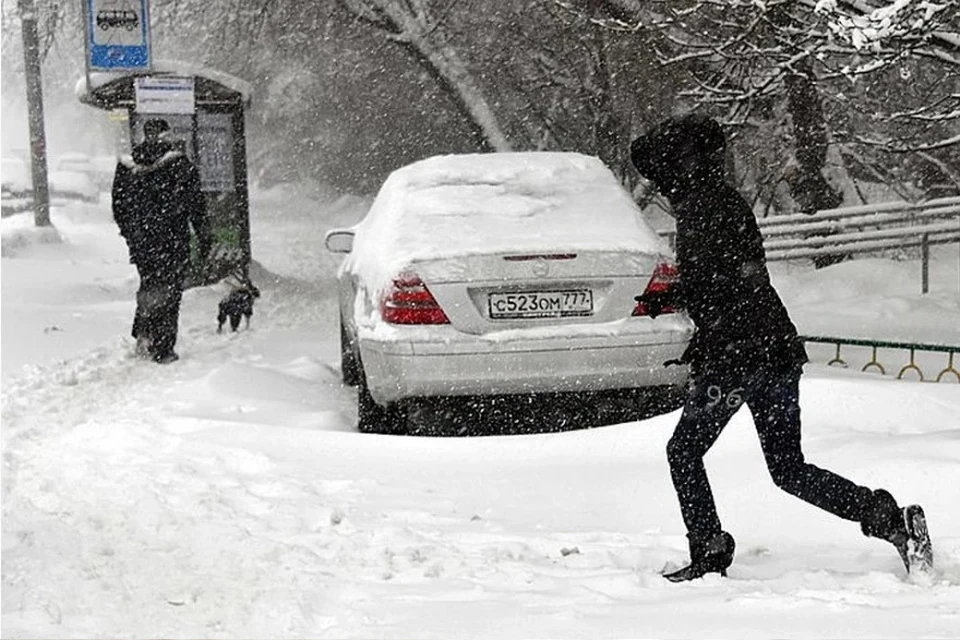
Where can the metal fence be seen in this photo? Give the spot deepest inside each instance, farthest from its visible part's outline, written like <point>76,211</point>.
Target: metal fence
<point>862,229</point>
<point>943,367</point>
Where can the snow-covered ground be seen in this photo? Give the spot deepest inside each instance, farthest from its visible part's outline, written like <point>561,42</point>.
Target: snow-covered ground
<point>230,495</point>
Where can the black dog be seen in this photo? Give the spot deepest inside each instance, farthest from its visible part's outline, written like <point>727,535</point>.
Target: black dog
<point>238,303</point>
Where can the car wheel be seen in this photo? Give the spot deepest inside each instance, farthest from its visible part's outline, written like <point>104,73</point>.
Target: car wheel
<point>375,418</point>
<point>349,366</point>
<point>657,401</point>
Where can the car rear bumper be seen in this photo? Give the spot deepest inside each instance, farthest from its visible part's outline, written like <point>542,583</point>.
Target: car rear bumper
<point>398,369</point>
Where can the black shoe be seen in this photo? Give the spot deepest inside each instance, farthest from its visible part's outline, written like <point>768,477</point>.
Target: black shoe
<point>905,528</point>
<point>919,549</point>
<point>912,541</point>
<point>165,358</point>
<point>712,555</point>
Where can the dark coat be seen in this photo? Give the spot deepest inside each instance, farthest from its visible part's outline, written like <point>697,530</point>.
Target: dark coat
<point>724,284</point>
<point>156,199</point>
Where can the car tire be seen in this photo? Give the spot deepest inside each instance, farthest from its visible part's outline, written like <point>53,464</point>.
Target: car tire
<point>349,363</point>
<point>375,418</point>
<point>660,400</point>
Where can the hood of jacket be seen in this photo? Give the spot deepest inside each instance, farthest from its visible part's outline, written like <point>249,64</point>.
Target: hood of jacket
<point>681,155</point>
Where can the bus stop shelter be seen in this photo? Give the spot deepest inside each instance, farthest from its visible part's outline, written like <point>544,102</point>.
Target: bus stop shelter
<point>205,110</point>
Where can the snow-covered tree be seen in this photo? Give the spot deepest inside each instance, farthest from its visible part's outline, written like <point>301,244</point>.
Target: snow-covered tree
<point>415,24</point>
<point>799,63</point>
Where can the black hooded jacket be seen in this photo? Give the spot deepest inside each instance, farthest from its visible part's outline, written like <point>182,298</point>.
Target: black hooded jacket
<point>156,199</point>
<point>724,283</point>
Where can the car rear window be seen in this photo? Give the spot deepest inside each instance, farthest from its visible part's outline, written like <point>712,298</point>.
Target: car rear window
<point>526,207</point>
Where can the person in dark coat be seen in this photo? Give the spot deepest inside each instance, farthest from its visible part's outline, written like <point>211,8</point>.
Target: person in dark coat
<point>156,200</point>
<point>745,349</point>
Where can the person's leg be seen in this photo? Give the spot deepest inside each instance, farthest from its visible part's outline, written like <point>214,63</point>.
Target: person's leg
<point>138,328</point>
<point>775,405</point>
<point>168,313</point>
<point>710,404</point>
<point>776,411</point>
<point>149,302</point>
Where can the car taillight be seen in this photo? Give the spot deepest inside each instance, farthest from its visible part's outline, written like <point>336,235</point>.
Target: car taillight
<point>664,277</point>
<point>410,302</point>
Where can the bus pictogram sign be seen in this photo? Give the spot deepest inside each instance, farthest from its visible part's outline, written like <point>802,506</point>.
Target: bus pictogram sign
<point>118,35</point>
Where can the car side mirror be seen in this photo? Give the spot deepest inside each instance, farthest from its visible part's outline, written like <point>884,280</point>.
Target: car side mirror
<point>339,241</point>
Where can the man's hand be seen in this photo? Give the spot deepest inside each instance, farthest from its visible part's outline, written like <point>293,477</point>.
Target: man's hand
<point>652,304</point>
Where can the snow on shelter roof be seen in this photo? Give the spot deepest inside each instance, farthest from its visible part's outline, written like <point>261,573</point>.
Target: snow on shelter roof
<point>456,205</point>
<point>87,84</point>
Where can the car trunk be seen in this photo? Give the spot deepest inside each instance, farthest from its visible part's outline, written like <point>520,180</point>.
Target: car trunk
<point>497,291</point>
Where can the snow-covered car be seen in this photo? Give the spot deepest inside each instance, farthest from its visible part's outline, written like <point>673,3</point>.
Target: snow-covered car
<point>72,185</point>
<point>16,192</point>
<point>99,168</point>
<point>15,177</point>
<point>502,274</point>
<point>104,167</point>
<point>75,162</point>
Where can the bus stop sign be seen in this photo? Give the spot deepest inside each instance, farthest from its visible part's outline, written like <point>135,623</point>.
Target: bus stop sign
<point>118,35</point>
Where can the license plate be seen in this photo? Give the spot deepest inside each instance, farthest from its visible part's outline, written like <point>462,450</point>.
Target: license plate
<point>541,304</point>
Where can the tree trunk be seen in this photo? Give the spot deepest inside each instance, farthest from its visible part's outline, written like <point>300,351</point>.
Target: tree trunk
<point>449,69</point>
<point>408,23</point>
<point>808,186</point>
<point>608,128</point>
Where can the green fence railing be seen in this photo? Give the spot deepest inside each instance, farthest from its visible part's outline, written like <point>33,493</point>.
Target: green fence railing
<point>874,363</point>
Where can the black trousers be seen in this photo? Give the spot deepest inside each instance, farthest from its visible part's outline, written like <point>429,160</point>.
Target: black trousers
<point>158,306</point>
<point>773,398</point>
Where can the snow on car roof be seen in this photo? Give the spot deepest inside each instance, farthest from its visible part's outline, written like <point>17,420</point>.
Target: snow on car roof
<point>74,155</point>
<point>485,203</point>
<point>68,181</point>
<point>15,173</point>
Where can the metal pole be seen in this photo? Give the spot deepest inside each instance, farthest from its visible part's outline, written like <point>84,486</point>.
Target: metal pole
<point>240,182</point>
<point>925,263</point>
<point>38,140</point>
<point>86,44</point>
